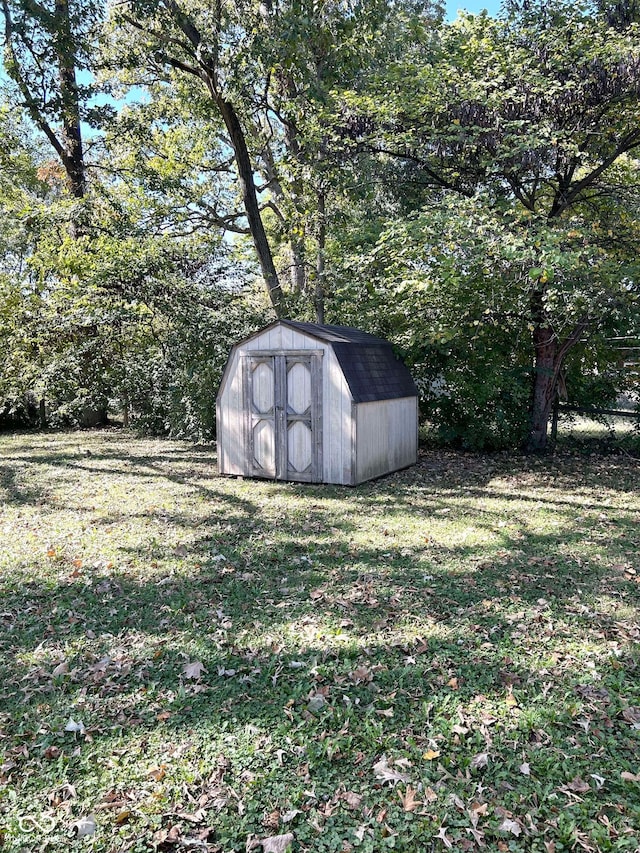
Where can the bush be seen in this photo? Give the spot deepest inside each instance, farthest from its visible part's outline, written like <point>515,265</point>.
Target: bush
<point>20,412</point>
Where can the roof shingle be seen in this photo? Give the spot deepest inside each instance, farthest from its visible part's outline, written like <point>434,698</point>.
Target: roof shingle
<point>371,368</point>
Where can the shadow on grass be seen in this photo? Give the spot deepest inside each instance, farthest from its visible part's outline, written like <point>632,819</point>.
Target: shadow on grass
<point>313,548</point>
<point>246,585</point>
<point>284,627</point>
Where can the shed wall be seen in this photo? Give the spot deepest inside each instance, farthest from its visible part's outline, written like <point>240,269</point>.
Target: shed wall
<point>337,433</point>
<point>230,420</point>
<point>386,436</point>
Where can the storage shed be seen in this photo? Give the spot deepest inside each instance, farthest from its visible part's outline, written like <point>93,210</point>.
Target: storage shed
<point>304,402</point>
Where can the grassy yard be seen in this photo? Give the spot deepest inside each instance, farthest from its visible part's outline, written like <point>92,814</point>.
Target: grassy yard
<point>443,659</point>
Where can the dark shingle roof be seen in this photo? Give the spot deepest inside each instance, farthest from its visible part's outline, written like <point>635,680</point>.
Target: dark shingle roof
<point>371,368</point>
<point>336,333</point>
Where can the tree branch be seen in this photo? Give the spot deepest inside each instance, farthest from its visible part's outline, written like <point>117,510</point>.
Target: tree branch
<point>563,199</point>
<point>30,101</point>
<point>437,179</point>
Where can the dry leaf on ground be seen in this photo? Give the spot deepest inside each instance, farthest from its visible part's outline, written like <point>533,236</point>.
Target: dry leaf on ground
<point>194,670</point>
<point>511,826</point>
<point>276,843</point>
<point>85,827</point>
<point>386,773</point>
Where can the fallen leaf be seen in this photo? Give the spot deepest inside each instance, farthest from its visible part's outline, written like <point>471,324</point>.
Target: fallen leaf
<point>361,675</point>
<point>430,795</point>
<point>408,799</point>
<point>287,817</point>
<point>456,801</point>
<point>630,777</point>
<point>271,821</point>
<point>199,816</point>
<point>194,670</point>
<point>157,773</point>
<point>316,703</point>
<point>101,666</point>
<point>578,785</point>
<point>632,715</point>
<point>430,754</point>
<point>61,669</point>
<point>277,843</point>
<point>169,836</point>
<point>511,826</point>
<point>386,773</point>
<point>442,835</point>
<point>65,793</point>
<point>479,760</point>
<point>52,752</point>
<point>352,799</point>
<point>158,838</point>
<point>85,827</point>
<point>478,836</point>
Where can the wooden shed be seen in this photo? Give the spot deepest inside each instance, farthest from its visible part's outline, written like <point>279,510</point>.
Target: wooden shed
<point>304,402</point>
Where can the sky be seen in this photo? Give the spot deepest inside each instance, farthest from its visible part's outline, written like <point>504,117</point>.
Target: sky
<point>452,6</point>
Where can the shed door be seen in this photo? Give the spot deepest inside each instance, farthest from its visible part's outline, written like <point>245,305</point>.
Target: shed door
<point>284,415</point>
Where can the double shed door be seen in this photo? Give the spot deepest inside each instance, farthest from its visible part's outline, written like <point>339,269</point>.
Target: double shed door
<point>283,405</point>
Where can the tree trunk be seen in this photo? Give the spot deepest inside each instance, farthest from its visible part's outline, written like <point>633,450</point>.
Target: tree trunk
<point>250,201</point>
<point>320,268</point>
<point>544,387</point>
<point>298,269</point>
<point>73,158</point>
<point>206,69</point>
<point>62,105</point>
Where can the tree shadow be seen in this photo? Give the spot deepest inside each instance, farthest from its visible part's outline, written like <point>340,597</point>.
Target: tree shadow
<point>310,643</point>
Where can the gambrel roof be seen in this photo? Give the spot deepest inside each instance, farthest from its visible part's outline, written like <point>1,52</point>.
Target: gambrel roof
<point>370,366</point>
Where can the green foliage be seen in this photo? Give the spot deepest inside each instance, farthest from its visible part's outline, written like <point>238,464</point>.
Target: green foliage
<point>451,286</point>
<point>523,133</point>
<point>463,188</point>
<point>171,383</point>
<point>135,326</point>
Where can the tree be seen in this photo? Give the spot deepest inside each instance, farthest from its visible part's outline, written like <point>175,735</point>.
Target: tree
<point>309,53</point>
<point>267,72</point>
<point>197,40</point>
<point>46,45</point>
<point>132,304</point>
<point>537,113</point>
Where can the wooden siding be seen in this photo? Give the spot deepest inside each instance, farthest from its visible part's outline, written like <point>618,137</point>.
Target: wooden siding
<point>337,424</point>
<point>386,437</point>
<point>230,427</point>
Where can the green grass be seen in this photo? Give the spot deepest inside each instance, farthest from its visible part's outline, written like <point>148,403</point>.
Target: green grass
<point>609,434</point>
<point>444,658</point>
